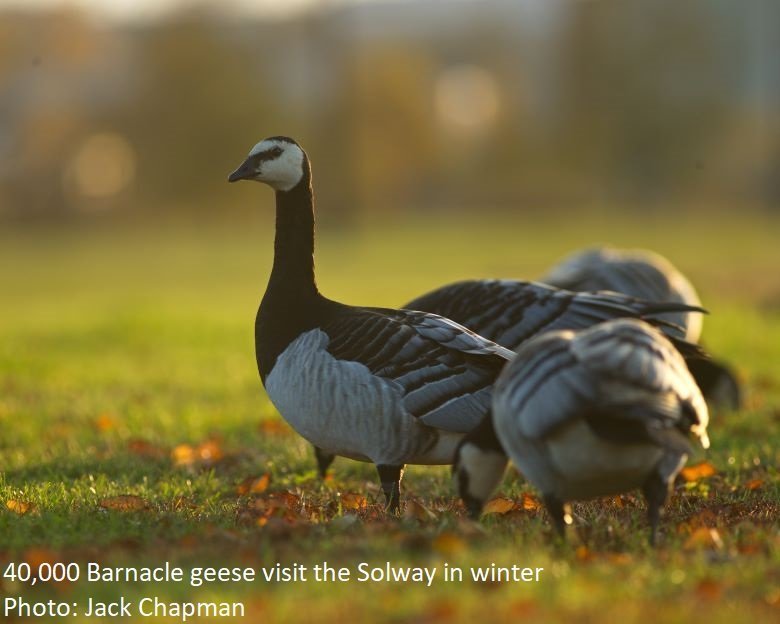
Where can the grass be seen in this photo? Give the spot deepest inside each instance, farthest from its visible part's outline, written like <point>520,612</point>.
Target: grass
<point>127,370</point>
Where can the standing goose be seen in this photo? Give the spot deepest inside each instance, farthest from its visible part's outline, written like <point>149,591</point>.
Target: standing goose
<point>586,414</point>
<point>648,275</point>
<point>386,386</point>
<point>511,312</point>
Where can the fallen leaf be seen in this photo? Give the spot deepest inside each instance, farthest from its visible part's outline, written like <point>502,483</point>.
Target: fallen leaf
<point>448,544</point>
<point>254,485</point>
<point>105,422</point>
<point>183,455</point>
<point>19,507</point>
<point>704,537</point>
<point>124,502</point>
<point>530,502</point>
<point>754,484</point>
<point>499,505</point>
<point>699,471</point>
<point>353,502</point>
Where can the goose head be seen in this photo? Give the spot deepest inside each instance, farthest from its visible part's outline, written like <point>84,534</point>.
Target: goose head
<point>278,161</point>
<point>478,467</point>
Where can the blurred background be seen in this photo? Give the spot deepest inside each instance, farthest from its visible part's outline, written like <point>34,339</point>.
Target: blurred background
<point>142,108</point>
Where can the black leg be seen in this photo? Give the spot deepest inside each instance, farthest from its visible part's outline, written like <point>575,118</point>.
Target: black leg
<point>557,513</point>
<point>655,491</point>
<point>324,460</point>
<point>390,477</point>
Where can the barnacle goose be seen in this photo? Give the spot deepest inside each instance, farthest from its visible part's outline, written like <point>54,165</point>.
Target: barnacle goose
<point>510,312</point>
<point>648,275</point>
<point>585,414</point>
<point>636,272</point>
<point>386,386</point>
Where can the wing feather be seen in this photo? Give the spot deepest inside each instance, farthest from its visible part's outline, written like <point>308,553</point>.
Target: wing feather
<point>444,371</point>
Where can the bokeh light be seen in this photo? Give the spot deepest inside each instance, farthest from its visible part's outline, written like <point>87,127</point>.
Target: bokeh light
<point>467,97</point>
<point>103,166</point>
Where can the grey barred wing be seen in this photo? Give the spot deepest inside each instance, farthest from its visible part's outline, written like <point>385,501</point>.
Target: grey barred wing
<point>511,312</point>
<point>545,387</point>
<point>444,372</point>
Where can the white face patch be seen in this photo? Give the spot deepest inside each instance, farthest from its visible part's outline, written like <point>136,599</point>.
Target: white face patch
<point>283,171</point>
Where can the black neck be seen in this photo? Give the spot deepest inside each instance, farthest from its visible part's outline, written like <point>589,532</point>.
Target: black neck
<point>292,302</point>
<point>293,270</point>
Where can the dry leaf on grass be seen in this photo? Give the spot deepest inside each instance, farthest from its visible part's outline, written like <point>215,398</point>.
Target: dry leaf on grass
<point>530,502</point>
<point>124,502</point>
<point>254,485</point>
<point>353,502</point>
<point>499,505</point>
<point>20,507</point>
<point>105,422</point>
<point>698,471</point>
<point>754,484</point>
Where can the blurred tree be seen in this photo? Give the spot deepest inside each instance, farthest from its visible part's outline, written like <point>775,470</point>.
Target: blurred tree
<point>646,91</point>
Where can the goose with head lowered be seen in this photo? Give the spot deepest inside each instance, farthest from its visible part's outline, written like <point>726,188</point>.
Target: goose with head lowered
<point>648,275</point>
<point>586,414</point>
<point>391,387</point>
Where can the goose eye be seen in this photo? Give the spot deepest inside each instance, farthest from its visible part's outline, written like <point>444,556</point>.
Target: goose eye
<point>276,151</point>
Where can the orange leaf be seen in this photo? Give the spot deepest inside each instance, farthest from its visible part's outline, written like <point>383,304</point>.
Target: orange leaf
<point>183,455</point>
<point>354,502</point>
<point>105,422</point>
<point>698,471</point>
<point>704,537</point>
<point>254,485</point>
<point>530,502</point>
<point>124,502</point>
<point>499,505</point>
<point>754,484</point>
<point>19,507</point>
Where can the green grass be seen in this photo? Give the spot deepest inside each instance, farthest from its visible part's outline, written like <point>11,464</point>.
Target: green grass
<point>119,344</point>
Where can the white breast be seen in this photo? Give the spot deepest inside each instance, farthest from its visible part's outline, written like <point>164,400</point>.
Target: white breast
<point>343,408</point>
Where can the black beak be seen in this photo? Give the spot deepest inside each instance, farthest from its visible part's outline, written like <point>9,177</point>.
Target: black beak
<point>243,172</point>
